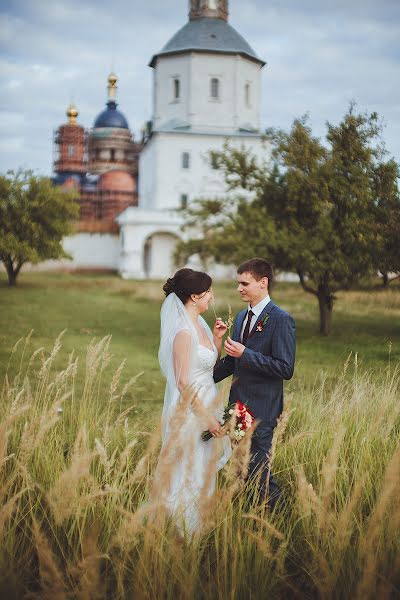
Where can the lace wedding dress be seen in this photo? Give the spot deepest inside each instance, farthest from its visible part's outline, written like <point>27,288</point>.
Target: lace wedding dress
<point>186,473</point>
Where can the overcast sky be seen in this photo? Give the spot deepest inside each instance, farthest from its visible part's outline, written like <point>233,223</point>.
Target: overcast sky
<point>320,55</point>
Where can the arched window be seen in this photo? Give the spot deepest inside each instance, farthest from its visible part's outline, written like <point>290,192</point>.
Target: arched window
<point>71,150</point>
<point>185,160</point>
<point>112,155</point>
<point>177,89</point>
<point>214,88</point>
<point>247,97</point>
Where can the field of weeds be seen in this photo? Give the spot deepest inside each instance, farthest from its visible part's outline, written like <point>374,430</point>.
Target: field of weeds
<point>77,466</point>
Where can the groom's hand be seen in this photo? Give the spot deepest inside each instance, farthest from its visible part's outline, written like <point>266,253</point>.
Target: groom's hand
<point>234,349</point>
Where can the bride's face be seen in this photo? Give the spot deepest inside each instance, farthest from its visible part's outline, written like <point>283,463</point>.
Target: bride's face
<point>203,300</point>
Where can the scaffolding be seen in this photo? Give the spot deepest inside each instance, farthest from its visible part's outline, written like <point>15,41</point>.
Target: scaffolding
<point>105,204</point>
<point>75,136</point>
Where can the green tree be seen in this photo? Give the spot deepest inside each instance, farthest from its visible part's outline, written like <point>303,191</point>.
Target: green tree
<point>314,210</point>
<point>34,217</point>
<point>387,250</point>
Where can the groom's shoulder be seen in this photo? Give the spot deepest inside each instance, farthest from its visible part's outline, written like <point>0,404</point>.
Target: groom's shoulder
<point>280,313</point>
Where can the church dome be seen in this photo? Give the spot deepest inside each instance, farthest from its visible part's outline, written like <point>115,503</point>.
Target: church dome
<point>117,181</point>
<point>207,34</point>
<point>111,117</point>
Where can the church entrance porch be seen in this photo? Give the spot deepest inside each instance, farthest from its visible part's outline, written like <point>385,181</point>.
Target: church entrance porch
<point>158,251</point>
<point>148,240</point>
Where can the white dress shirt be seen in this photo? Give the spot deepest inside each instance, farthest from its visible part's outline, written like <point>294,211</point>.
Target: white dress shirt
<point>256,310</point>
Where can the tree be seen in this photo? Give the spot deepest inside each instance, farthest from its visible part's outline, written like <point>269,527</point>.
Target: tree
<point>314,210</point>
<point>34,218</point>
<point>387,250</point>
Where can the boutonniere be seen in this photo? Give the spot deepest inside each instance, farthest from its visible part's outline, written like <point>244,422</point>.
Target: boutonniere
<point>261,324</point>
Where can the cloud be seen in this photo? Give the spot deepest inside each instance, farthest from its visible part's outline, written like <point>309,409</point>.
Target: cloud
<point>320,55</point>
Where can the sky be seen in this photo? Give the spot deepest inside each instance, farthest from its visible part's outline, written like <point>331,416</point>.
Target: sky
<point>320,54</point>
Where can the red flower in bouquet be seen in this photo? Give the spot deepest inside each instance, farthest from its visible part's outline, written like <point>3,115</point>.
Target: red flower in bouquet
<point>244,420</point>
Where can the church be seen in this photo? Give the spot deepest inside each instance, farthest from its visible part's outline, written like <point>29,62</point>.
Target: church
<point>206,92</point>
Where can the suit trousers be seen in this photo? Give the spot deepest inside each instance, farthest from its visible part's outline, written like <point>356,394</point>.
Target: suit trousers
<point>259,465</point>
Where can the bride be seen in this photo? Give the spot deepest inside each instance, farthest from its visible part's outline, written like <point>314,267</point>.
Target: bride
<point>184,481</point>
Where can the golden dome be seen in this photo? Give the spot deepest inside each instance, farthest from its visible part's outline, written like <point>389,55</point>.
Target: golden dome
<point>112,79</point>
<point>72,113</point>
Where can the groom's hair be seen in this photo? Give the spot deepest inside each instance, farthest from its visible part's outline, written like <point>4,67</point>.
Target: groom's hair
<point>259,268</point>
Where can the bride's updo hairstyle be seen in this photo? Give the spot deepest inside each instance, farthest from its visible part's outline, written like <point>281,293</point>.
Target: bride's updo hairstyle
<point>186,282</point>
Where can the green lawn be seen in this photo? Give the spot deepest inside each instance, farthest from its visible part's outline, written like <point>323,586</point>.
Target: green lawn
<point>88,307</point>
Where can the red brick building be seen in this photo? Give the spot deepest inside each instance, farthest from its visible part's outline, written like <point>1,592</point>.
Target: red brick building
<point>101,163</point>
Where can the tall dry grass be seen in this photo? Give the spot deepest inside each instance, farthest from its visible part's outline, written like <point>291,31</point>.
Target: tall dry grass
<point>76,472</point>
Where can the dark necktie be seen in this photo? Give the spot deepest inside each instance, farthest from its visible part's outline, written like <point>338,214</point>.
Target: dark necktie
<point>250,314</point>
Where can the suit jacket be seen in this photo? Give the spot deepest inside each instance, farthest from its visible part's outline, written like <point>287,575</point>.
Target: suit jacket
<point>267,360</point>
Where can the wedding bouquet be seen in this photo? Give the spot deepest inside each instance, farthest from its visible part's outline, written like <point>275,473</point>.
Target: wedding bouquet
<point>244,420</point>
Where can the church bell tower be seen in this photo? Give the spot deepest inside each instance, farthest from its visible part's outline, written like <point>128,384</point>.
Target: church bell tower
<point>216,9</point>
<point>70,145</point>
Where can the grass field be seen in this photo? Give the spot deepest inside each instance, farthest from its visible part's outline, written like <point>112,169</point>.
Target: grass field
<point>94,306</point>
<point>79,446</point>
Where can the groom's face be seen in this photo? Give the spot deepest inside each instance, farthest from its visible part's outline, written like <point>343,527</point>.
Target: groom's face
<point>250,289</point>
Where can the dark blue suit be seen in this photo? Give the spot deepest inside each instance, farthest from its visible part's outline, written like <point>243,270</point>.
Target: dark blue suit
<point>258,381</point>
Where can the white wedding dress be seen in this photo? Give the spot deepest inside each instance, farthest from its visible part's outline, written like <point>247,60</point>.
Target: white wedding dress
<point>187,468</point>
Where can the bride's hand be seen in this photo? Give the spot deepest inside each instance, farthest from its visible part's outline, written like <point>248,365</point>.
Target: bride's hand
<point>220,328</point>
<point>214,427</point>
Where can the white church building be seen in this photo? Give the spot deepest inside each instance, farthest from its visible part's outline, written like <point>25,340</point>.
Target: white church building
<point>206,92</point>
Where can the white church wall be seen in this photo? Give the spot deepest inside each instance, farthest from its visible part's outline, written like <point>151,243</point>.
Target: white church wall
<point>149,236</point>
<point>88,251</point>
<point>222,113</point>
<point>148,175</point>
<point>248,107</point>
<point>131,264</point>
<point>200,179</point>
<point>195,106</point>
<point>166,107</point>
<point>93,250</point>
<point>213,113</point>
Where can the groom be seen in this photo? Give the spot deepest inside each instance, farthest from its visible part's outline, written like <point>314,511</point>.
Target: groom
<point>260,355</point>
